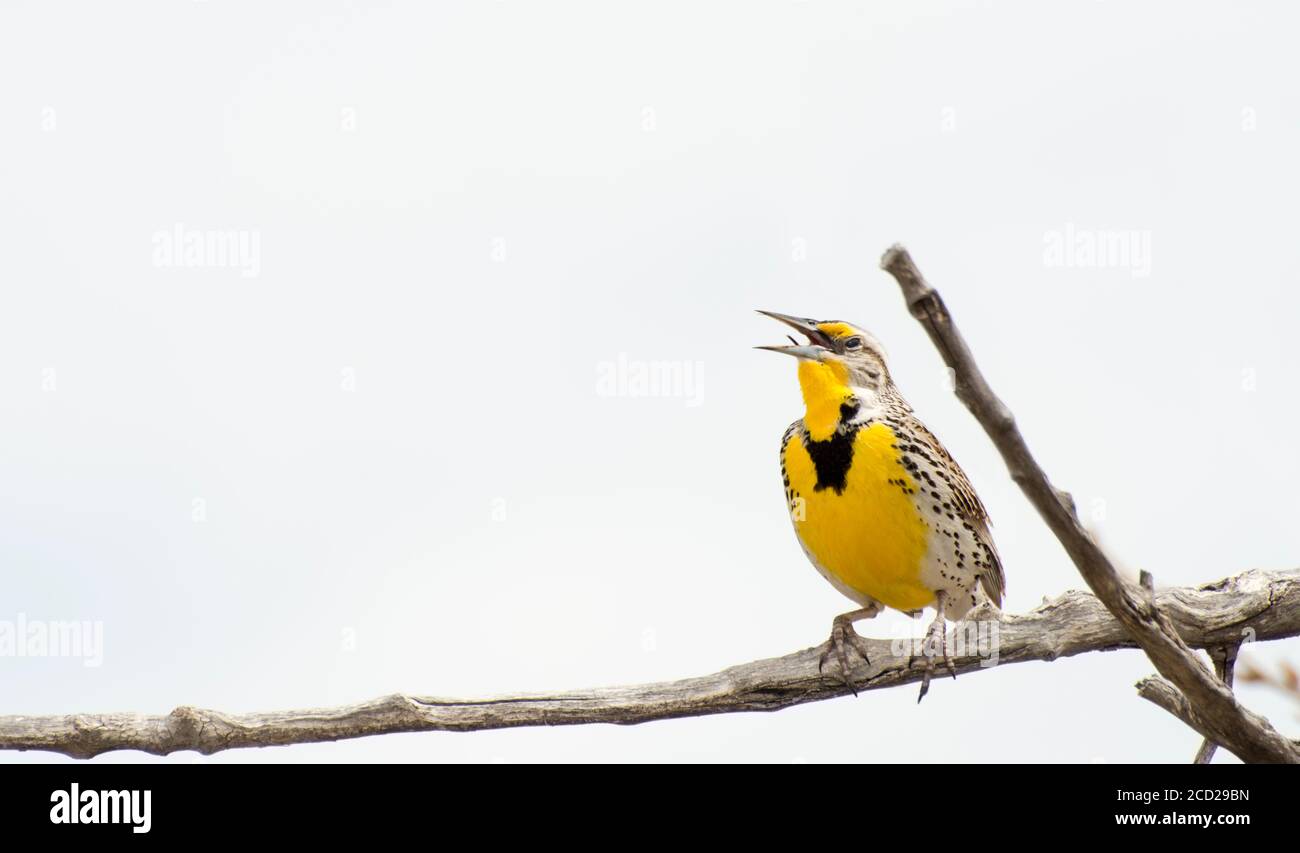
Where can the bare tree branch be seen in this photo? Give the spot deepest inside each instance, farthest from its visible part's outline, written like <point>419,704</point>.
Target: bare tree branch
<point>1155,689</point>
<point>1265,603</point>
<point>1248,735</point>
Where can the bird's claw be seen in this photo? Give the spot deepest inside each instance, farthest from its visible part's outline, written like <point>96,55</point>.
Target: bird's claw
<point>843,637</point>
<point>934,645</point>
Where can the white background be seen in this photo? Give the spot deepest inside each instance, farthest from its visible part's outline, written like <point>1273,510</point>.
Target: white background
<point>472,206</point>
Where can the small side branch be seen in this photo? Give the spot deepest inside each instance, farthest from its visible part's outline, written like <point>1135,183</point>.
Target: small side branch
<point>1156,690</point>
<point>1246,734</point>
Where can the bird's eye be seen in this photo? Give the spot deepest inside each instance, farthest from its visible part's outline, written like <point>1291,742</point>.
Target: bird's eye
<point>853,343</point>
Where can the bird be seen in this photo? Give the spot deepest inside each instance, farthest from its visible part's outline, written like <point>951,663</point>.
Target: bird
<point>880,507</point>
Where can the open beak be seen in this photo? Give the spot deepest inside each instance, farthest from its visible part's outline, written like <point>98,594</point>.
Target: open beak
<point>818,342</point>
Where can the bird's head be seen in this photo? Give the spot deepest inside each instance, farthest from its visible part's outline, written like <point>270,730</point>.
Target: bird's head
<point>846,354</point>
<point>840,363</point>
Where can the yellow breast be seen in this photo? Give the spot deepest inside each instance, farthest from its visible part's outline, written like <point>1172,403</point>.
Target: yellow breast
<point>869,535</point>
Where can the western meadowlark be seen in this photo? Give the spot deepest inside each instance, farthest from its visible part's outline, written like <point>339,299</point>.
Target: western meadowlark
<point>880,507</point>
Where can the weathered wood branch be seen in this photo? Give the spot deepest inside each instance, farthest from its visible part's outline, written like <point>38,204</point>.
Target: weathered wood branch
<point>1265,605</point>
<point>1156,690</point>
<point>1225,721</point>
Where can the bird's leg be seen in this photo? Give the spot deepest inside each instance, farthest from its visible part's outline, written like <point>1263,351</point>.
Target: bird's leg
<point>936,643</point>
<point>842,635</point>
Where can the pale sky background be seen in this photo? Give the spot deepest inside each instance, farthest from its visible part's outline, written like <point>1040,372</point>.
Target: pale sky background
<point>462,210</point>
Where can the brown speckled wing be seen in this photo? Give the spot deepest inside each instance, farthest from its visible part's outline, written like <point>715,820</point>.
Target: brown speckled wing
<point>972,509</point>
